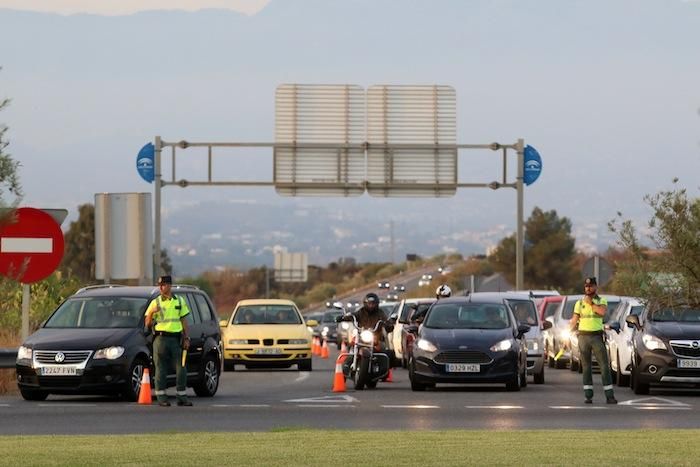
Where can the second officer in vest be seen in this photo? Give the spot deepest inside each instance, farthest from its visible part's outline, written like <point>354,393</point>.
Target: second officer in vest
<point>588,318</point>
<point>168,312</point>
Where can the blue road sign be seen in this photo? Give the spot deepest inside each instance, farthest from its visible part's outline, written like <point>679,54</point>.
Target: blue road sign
<point>145,162</point>
<point>533,165</point>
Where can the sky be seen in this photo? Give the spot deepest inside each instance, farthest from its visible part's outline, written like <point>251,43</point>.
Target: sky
<point>607,91</point>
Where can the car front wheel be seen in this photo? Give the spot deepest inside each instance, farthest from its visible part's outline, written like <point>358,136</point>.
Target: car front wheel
<point>208,383</point>
<point>133,385</point>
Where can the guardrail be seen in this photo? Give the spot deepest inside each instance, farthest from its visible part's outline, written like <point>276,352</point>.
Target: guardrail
<point>8,357</point>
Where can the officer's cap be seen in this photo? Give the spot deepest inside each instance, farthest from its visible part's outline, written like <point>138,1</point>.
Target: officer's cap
<point>590,281</point>
<point>165,280</point>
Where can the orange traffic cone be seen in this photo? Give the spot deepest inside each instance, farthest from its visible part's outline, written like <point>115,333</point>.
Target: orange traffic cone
<point>339,377</point>
<point>343,348</point>
<point>389,377</point>
<point>315,349</point>
<point>324,349</point>
<point>145,391</point>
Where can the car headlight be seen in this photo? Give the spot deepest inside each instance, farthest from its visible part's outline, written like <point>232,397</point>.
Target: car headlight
<point>426,345</point>
<point>345,325</point>
<point>653,342</point>
<point>367,336</point>
<point>533,345</point>
<point>24,353</point>
<point>110,353</point>
<point>502,346</point>
<point>298,341</point>
<point>311,330</point>
<point>324,332</point>
<point>566,334</point>
<point>238,341</point>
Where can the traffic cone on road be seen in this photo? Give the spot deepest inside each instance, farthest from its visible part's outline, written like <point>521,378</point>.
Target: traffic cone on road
<point>338,377</point>
<point>343,348</point>
<point>314,347</point>
<point>145,391</point>
<point>389,377</point>
<point>324,349</point>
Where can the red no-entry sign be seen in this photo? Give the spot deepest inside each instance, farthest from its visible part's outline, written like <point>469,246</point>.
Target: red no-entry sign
<point>30,248</point>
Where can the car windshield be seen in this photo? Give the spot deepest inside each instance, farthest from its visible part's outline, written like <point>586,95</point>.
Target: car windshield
<point>99,313</point>
<point>330,316</point>
<point>681,315</point>
<point>468,316</point>
<point>550,309</point>
<point>266,314</point>
<point>524,311</point>
<point>612,304</point>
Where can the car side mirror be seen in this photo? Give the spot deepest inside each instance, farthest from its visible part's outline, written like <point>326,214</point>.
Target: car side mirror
<point>312,323</point>
<point>550,319</point>
<point>546,324</point>
<point>614,327</point>
<point>223,323</point>
<point>523,329</point>
<point>412,328</point>
<point>633,322</point>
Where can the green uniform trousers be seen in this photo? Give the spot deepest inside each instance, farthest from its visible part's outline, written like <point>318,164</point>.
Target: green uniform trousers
<point>167,354</point>
<point>594,344</point>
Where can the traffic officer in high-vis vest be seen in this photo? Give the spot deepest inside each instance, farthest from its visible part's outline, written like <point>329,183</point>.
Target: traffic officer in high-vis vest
<point>167,314</point>
<point>588,318</point>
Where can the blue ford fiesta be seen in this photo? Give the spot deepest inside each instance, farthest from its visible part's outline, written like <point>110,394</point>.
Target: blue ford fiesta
<point>466,341</point>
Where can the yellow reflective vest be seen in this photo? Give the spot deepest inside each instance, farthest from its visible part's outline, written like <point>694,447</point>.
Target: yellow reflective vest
<point>168,318</point>
<point>589,320</point>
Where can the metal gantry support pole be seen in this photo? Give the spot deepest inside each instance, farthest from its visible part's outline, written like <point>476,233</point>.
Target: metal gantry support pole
<point>157,187</point>
<point>520,235</point>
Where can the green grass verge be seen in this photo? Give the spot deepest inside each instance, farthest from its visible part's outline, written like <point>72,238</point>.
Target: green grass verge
<point>330,448</point>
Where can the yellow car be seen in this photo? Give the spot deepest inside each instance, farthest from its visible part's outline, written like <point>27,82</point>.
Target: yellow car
<point>266,333</point>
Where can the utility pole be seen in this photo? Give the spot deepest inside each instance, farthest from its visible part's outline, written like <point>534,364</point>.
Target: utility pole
<point>393,244</point>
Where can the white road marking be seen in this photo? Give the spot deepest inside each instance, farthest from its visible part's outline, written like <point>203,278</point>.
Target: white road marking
<point>240,405</point>
<point>654,402</point>
<point>325,399</point>
<point>4,405</point>
<point>327,406</point>
<point>667,407</point>
<point>411,406</point>
<point>26,245</point>
<point>502,407</point>
<point>568,407</point>
<point>302,376</point>
<point>67,405</point>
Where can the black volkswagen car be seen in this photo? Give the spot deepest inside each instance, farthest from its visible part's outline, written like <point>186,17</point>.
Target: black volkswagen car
<point>95,342</point>
<point>469,341</point>
<point>665,347</point>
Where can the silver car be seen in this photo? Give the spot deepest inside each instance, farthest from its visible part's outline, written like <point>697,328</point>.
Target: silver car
<point>620,344</point>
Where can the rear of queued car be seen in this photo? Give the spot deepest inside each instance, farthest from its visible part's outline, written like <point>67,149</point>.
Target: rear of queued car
<point>267,333</point>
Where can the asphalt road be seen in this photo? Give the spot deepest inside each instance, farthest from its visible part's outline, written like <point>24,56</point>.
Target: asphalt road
<point>258,400</point>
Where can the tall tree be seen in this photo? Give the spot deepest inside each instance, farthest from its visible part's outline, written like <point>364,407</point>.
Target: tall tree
<point>671,274</point>
<point>79,255</point>
<point>9,179</point>
<point>549,252</point>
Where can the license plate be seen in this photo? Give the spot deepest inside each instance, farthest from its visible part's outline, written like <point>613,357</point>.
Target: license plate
<point>59,371</point>
<point>463,368</point>
<point>688,363</point>
<point>268,351</point>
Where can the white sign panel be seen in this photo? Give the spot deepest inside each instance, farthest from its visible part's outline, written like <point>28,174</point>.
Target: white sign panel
<point>291,267</point>
<point>411,115</point>
<point>123,236</point>
<point>318,115</point>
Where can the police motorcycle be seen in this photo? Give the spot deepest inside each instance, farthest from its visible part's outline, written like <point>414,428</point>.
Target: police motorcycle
<point>366,362</point>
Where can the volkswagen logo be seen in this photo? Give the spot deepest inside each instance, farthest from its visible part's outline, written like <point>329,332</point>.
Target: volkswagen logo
<point>60,357</point>
<point>462,347</point>
<point>695,344</point>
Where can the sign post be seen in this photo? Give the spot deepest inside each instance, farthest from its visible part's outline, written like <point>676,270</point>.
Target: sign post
<point>31,248</point>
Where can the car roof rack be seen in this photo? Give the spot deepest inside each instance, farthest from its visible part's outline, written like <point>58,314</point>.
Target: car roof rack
<point>98,286</point>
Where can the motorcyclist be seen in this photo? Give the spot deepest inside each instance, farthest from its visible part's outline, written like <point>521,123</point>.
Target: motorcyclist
<point>368,316</point>
<point>443,291</point>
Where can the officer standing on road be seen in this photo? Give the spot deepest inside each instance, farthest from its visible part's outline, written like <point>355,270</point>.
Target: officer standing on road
<point>588,317</point>
<point>168,312</point>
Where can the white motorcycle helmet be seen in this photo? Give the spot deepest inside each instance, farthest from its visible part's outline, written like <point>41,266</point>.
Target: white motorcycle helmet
<point>443,291</point>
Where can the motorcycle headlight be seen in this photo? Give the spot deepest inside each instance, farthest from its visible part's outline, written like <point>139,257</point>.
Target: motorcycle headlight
<point>653,342</point>
<point>502,346</point>
<point>109,353</point>
<point>426,345</point>
<point>324,332</point>
<point>367,336</point>
<point>298,341</point>
<point>24,353</point>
